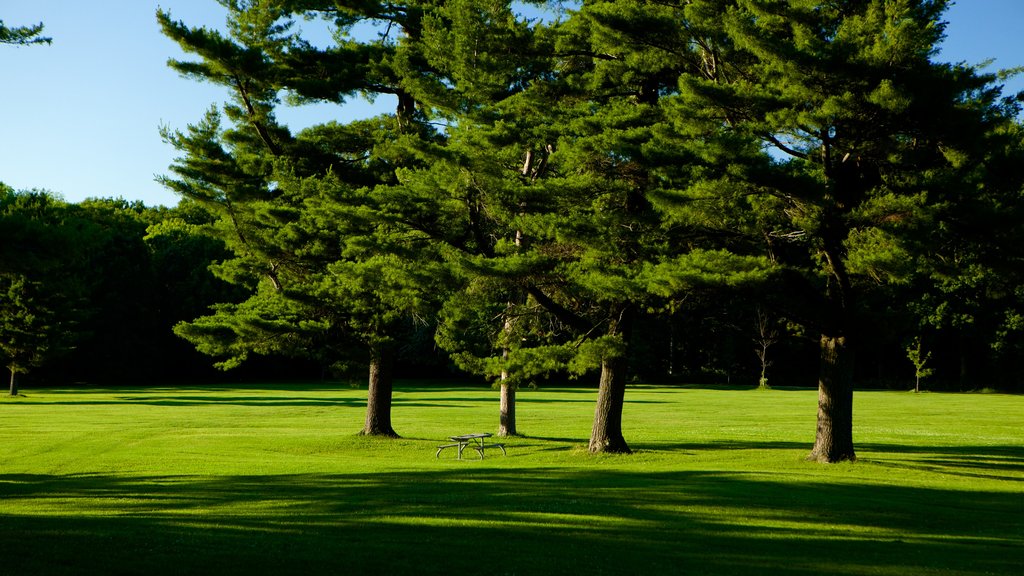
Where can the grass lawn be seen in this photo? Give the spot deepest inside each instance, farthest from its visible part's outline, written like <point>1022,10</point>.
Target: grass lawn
<point>274,480</point>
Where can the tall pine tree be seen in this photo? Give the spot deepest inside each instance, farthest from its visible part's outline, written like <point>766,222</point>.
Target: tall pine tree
<point>866,133</point>
<point>302,212</point>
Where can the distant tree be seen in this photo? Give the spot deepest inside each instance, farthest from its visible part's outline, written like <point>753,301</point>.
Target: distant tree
<point>181,251</point>
<point>141,270</point>
<point>30,333</point>
<point>104,281</point>
<point>920,359</point>
<point>766,336</point>
<point>117,336</point>
<point>969,294</point>
<point>39,300</point>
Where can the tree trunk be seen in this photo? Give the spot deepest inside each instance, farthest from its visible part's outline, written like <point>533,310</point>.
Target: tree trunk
<point>849,183</point>
<point>834,439</point>
<point>507,414</point>
<point>14,383</point>
<point>606,435</point>
<point>507,419</point>
<point>378,402</point>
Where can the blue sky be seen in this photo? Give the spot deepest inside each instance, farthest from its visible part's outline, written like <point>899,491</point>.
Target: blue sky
<point>81,117</point>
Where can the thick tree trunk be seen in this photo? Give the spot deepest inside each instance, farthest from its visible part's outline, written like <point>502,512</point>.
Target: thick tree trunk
<point>834,439</point>
<point>378,401</point>
<point>507,418</point>
<point>606,435</point>
<point>14,383</point>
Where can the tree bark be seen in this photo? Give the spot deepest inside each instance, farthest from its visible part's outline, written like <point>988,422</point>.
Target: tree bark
<point>378,401</point>
<point>834,438</point>
<point>606,435</point>
<point>507,418</point>
<point>14,383</point>
<point>507,410</point>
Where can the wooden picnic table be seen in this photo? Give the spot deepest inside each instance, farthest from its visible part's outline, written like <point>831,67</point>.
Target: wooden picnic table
<point>476,441</point>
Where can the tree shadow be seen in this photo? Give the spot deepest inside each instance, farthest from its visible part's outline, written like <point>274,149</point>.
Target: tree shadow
<point>728,445</point>
<point>997,462</point>
<point>192,387</point>
<point>270,401</point>
<point>989,462</point>
<point>499,521</point>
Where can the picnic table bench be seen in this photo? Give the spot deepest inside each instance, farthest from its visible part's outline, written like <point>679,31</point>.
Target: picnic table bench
<point>476,441</point>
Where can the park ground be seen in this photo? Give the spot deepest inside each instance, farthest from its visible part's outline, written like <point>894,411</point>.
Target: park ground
<point>273,479</point>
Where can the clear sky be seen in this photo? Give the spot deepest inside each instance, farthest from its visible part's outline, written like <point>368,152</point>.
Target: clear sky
<point>81,117</point>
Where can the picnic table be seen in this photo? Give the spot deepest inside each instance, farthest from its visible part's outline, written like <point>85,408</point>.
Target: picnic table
<point>476,441</point>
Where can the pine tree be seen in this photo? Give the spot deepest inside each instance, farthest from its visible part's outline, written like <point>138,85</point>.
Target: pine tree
<point>40,295</point>
<point>27,328</point>
<point>555,156</point>
<point>621,251</point>
<point>860,122</point>
<point>304,213</point>
<point>478,186</point>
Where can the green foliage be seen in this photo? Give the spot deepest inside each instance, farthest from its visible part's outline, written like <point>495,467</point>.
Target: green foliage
<point>108,292</point>
<point>41,297</point>
<point>706,269</point>
<point>23,35</point>
<point>920,360</point>
<point>266,323</point>
<point>30,332</point>
<point>318,238</point>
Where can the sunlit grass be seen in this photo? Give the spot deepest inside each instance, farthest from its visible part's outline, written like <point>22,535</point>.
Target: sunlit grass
<point>274,479</point>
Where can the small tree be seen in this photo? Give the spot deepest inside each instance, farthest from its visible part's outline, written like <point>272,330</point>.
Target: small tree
<point>920,360</point>
<point>767,336</point>
<point>41,287</point>
<point>29,330</point>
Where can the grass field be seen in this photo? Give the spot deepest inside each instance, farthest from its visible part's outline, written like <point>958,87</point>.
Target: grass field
<point>274,480</point>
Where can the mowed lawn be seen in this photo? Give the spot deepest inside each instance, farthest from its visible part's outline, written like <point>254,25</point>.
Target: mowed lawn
<point>274,480</point>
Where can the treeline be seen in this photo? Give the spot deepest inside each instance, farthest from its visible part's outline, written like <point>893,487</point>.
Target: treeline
<point>89,292</point>
<point>784,192</point>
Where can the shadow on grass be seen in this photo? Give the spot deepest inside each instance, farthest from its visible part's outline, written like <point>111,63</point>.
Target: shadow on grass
<point>212,388</point>
<point>257,401</point>
<point>153,400</point>
<point>989,462</point>
<point>694,447</point>
<point>497,521</point>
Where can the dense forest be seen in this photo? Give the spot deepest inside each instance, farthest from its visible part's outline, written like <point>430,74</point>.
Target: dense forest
<point>774,193</point>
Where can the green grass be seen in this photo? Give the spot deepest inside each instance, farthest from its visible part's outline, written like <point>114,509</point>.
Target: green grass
<point>274,480</point>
